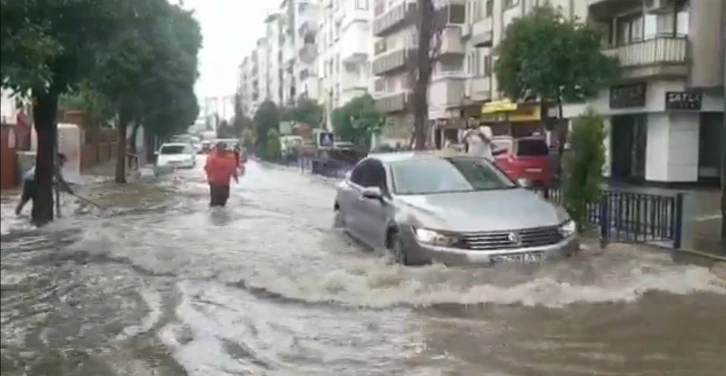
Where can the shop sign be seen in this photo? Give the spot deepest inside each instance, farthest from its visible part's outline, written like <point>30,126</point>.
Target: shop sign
<point>630,95</point>
<point>683,100</point>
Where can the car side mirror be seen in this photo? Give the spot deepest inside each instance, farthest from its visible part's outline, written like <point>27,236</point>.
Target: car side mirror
<point>373,193</point>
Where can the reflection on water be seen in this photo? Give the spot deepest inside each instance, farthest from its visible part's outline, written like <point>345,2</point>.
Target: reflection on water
<point>265,287</point>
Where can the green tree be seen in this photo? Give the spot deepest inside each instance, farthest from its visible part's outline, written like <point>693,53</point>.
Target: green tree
<point>357,121</point>
<point>48,48</point>
<point>556,59</point>
<point>273,146</point>
<point>266,118</point>
<point>583,165</point>
<point>307,111</point>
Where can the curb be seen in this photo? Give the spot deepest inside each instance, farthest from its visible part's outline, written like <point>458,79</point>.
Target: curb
<point>707,255</point>
<point>719,271</point>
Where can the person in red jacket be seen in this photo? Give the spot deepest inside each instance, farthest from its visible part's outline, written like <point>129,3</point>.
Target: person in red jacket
<point>221,168</point>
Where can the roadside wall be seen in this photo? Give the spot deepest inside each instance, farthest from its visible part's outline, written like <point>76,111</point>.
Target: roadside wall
<point>8,158</point>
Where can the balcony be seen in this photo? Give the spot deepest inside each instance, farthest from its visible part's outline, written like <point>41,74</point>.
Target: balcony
<point>660,56</point>
<point>478,89</point>
<point>391,103</point>
<point>392,61</point>
<point>394,18</point>
<point>602,10</point>
<point>445,93</point>
<point>481,33</point>
<point>451,42</point>
<point>354,43</point>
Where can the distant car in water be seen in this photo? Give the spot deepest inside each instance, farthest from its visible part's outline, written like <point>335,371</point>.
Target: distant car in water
<point>450,208</point>
<point>175,155</point>
<point>523,158</point>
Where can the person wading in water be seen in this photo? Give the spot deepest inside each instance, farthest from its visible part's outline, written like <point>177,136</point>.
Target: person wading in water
<point>221,167</point>
<point>30,184</point>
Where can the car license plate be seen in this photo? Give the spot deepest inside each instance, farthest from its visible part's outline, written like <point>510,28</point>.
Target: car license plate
<point>537,170</point>
<point>519,257</point>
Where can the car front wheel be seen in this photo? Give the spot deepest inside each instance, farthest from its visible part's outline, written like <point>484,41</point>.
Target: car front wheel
<point>338,219</point>
<point>397,249</point>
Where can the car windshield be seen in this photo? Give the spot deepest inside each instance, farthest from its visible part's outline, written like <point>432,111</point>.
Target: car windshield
<point>532,148</point>
<point>172,149</point>
<point>447,175</point>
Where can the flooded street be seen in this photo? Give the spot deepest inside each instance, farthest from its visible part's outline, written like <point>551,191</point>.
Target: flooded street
<point>162,285</point>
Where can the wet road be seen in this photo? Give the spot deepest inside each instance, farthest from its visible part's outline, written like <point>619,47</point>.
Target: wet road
<point>162,285</point>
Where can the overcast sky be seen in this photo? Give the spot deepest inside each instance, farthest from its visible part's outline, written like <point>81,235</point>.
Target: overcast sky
<point>230,29</point>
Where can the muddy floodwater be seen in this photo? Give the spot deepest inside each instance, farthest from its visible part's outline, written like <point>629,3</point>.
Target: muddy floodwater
<point>159,284</point>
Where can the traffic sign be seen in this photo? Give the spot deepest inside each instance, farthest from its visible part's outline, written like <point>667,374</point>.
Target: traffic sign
<point>326,140</point>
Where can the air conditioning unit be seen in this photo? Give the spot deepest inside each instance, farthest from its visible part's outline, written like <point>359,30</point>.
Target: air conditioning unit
<point>657,6</point>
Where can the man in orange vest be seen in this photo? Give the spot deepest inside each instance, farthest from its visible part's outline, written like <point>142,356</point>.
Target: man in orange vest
<point>221,168</point>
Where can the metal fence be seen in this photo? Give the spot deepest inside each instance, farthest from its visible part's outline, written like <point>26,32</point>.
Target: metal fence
<point>623,216</point>
<point>619,216</point>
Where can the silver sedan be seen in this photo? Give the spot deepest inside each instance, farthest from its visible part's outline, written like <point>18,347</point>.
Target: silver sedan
<point>450,208</point>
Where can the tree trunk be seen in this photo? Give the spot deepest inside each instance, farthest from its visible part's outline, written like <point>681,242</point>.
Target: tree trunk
<point>121,151</point>
<point>423,79</point>
<point>44,115</point>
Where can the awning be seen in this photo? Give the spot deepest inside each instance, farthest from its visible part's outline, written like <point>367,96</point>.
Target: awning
<point>498,106</point>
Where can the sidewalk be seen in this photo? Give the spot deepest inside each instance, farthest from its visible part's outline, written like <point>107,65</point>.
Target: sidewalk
<point>719,270</point>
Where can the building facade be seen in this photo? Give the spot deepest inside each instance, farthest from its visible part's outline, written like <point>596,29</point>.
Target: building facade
<point>344,46</point>
<point>665,113</point>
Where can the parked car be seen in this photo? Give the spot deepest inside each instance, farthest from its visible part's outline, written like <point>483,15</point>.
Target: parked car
<point>450,208</point>
<point>523,158</point>
<point>175,155</point>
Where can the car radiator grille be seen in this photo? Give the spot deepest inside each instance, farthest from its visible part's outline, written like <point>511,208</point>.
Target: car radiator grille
<point>536,237</point>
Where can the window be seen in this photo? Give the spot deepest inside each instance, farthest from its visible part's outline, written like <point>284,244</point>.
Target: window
<point>488,8</point>
<point>457,13</point>
<point>682,18</point>
<point>532,148</point>
<point>369,173</point>
<point>446,175</point>
<point>172,149</point>
<point>361,4</point>
<point>379,85</point>
<point>488,66</point>
<point>474,11</point>
<point>510,3</point>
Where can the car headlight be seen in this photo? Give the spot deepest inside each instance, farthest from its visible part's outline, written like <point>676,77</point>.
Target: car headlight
<point>568,228</point>
<point>432,237</point>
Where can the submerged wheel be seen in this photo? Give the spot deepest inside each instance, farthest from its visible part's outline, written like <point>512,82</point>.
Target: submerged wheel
<point>396,248</point>
<point>338,219</point>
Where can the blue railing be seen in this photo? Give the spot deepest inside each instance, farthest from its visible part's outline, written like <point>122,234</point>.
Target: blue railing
<point>619,216</point>
<point>622,216</point>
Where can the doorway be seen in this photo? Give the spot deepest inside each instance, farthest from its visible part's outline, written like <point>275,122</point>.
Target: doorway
<point>628,141</point>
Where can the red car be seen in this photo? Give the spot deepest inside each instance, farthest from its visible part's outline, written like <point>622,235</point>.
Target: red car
<point>527,157</point>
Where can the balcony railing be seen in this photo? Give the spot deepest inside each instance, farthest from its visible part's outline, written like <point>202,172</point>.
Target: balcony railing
<point>393,102</point>
<point>392,61</point>
<point>481,33</point>
<point>394,17</point>
<point>659,50</point>
<point>451,42</point>
<point>659,56</point>
<point>479,88</point>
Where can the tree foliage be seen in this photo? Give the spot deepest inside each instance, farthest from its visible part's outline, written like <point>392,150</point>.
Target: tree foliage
<point>306,111</point>
<point>273,145</point>
<point>266,118</point>
<point>583,165</point>
<point>240,122</point>
<point>547,56</point>
<point>136,57</point>
<point>357,121</point>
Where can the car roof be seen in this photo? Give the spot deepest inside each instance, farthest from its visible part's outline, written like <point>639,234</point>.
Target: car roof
<point>391,157</point>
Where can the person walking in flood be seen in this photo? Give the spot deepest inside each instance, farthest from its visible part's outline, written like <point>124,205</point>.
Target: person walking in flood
<point>221,168</point>
<point>30,184</point>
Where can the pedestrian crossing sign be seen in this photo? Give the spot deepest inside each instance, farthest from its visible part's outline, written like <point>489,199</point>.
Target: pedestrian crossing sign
<point>325,140</point>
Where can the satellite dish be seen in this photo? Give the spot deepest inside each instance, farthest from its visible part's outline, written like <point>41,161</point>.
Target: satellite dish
<point>308,53</point>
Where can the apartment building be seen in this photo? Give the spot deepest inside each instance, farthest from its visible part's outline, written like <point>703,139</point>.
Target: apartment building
<point>394,30</point>
<point>344,45</point>
<point>301,53</point>
<point>665,114</point>
<point>274,35</point>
